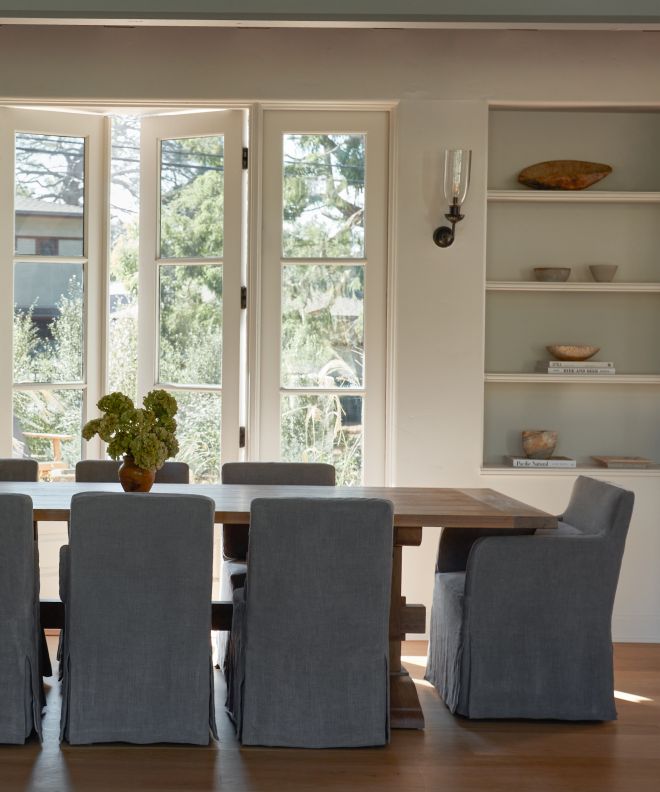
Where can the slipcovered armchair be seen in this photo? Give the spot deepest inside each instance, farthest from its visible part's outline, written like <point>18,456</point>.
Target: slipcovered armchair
<point>235,537</point>
<point>137,658</point>
<point>309,646</point>
<point>21,692</point>
<point>525,631</point>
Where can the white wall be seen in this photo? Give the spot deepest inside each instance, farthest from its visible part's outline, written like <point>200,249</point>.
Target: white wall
<point>443,81</point>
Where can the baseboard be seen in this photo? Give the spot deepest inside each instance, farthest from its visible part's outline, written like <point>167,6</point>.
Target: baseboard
<point>632,628</point>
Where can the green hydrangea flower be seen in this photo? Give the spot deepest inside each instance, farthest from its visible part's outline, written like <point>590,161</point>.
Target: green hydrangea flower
<point>146,433</point>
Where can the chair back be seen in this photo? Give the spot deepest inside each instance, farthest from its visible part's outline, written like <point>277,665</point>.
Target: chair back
<point>318,602</point>
<point>138,617</point>
<point>599,508</point>
<point>19,470</point>
<point>20,706</point>
<point>96,471</point>
<point>173,473</point>
<point>313,474</point>
<point>602,510</point>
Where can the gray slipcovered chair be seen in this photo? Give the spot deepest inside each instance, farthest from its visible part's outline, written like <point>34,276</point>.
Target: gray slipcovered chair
<point>106,471</point>
<point>525,630</point>
<point>137,658</point>
<point>19,469</point>
<point>309,640</point>
<point>235,537</point>
<point>98,471</point>
<point>21,692</point>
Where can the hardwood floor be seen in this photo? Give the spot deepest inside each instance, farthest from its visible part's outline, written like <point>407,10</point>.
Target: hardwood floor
<point>452,754</point>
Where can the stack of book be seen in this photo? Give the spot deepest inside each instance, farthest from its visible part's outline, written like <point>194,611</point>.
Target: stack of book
<point>588,368</point>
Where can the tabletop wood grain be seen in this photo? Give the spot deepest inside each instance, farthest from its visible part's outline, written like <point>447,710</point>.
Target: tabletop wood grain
<point>413,506</point>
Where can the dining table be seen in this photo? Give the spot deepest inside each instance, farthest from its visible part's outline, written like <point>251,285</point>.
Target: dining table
<point>414,509</point>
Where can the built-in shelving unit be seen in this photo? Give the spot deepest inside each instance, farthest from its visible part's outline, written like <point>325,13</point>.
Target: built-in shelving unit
<point>616,221</point>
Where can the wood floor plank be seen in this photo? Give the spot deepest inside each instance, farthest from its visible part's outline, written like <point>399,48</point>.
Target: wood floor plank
<point>451,754</point>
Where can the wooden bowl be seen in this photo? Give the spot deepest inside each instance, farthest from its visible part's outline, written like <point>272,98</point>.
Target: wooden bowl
<point>563,174</point>
<point>572,351</point>
<point>552,274</point>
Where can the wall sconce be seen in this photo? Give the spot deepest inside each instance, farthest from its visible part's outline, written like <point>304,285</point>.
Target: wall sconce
<point>457,181</point>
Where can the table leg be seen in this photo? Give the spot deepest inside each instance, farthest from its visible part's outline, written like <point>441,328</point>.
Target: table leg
<point>405,709</point>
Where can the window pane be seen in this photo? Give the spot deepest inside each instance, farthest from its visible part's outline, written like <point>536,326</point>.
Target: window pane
<point>322,326</point>
<point>198,432</point>
<point>48,322</point>
<point>191,197</point>
<point>123,270</point>
<point>47,426</point>
<point>324,428</point>
<point>191,324</point>
<point>49,195</point>
<point>323,196</point>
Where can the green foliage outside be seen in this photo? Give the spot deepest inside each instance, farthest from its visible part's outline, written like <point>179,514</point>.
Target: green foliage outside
<point>56,358</point>
<point>323,196</point>
<point>322,304</point>
<point>322,317</point>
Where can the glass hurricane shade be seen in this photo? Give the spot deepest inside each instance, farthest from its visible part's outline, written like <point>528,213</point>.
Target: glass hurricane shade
<point>457,174</point>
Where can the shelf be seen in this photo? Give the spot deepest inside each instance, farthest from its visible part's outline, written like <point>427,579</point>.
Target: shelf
<point>573,196</point>
<point>580,470</point>
<point>575,286</point>
<point>586,379</point>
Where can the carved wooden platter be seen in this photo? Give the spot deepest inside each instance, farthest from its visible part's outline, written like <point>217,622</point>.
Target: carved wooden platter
<point>563,174</point>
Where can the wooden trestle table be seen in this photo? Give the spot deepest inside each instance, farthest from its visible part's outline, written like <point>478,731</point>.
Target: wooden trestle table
<point>413,508</point>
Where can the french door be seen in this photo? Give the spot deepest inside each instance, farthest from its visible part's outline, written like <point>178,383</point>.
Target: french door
<point>51,259</point>
<point>323,291</point>
<point>95,298</point>
<point>190,277</point>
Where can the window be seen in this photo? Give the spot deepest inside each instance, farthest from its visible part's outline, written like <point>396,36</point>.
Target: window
<point>323,290</point>
<point>191,259</point>
<point>47,268</point>
<point>172,211</point>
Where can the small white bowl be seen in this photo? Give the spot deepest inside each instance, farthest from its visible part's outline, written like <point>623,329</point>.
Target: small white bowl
<point>603,273</point>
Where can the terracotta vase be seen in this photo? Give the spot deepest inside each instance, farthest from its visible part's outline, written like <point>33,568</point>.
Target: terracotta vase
<point>134,478</point>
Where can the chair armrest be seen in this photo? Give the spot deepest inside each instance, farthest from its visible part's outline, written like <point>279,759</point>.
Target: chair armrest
<point>64,572</point>
<point>456,543</point>
<point>536,576</point>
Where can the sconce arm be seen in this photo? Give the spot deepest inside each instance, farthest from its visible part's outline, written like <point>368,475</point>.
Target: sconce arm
<point>444,235</point>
